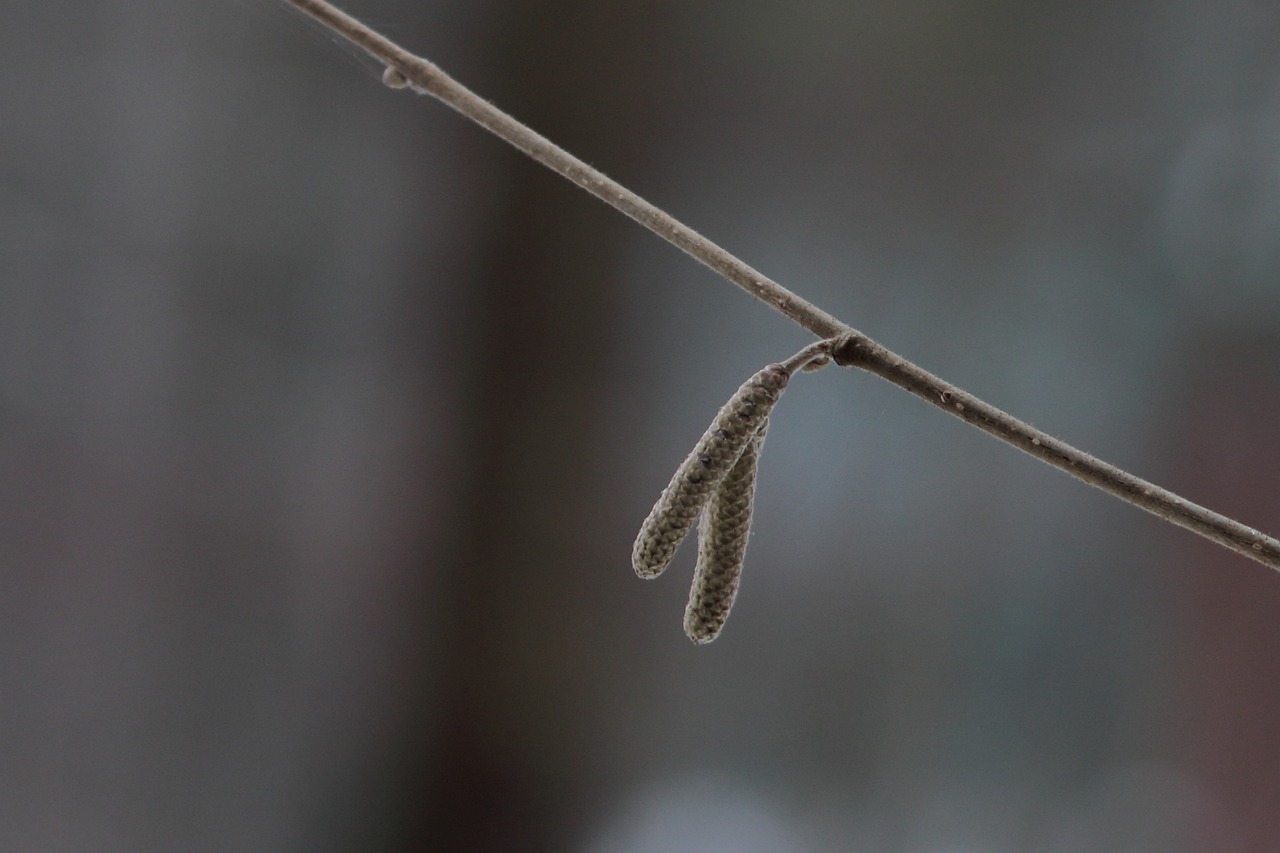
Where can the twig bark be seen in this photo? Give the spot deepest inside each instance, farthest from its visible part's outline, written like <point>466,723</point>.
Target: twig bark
<point>854,349</point>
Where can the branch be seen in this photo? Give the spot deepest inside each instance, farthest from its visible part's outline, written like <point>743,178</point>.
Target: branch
<point>854,349</point>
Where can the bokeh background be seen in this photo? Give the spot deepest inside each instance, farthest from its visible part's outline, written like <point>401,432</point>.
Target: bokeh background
<point>326,423</point>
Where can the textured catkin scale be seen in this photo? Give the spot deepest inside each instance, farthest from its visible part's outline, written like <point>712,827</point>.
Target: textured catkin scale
<point>684,498</point>
<point>722,544</point>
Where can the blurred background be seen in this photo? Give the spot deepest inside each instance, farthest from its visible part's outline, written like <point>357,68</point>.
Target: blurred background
<point>327,421</point>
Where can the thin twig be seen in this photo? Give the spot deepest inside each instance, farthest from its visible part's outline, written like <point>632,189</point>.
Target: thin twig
<point>857,350</point>
<point>854,350</point>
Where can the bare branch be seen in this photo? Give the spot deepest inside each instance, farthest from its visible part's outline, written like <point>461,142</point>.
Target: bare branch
<point>855,350</point>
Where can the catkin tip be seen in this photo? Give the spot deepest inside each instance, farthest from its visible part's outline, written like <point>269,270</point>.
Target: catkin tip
<point>701,638</point>
<point>652,551</point>
<point>646,572</point>
<point>700,629</point>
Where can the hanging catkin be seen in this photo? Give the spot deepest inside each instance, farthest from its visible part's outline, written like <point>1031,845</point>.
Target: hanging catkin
<point>690,489</point>
<point>722,542</point>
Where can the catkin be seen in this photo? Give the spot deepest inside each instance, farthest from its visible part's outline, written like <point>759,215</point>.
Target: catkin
<point>684,498</point>
<point>722,542</point>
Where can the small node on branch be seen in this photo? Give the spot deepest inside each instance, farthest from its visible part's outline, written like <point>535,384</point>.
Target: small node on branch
<point>393,78</point>
<point>850,350</point>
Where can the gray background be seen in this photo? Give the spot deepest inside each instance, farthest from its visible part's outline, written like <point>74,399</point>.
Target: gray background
<point>326,422</point>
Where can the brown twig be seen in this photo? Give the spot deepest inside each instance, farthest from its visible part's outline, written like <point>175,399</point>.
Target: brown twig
<point>853,350</point>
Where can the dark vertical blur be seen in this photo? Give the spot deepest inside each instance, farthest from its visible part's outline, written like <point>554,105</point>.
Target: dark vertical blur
<point>1232,638</point>
<point>542,345</point>
<point>326,422</point>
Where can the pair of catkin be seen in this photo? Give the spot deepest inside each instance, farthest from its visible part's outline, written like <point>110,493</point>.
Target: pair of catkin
<point>715,487</point>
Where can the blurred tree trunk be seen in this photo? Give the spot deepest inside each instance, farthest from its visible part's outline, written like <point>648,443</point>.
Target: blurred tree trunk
<point>544,342</point>
<point>1232,636</point>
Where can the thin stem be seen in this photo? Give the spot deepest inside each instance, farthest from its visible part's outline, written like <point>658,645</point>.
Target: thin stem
<point>815,355</point>
<point>424,76</point>
<point>857,350</point>
<point>853,350</point>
